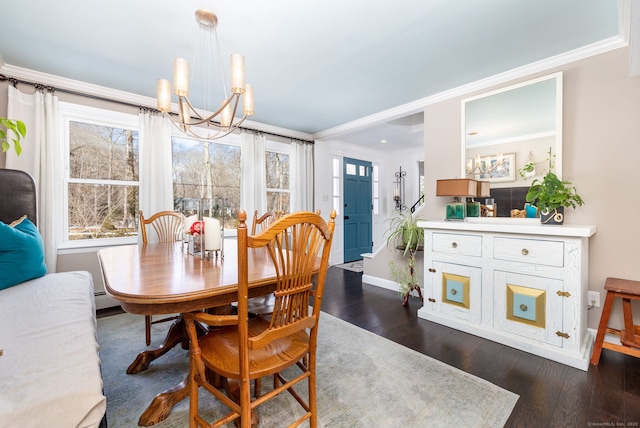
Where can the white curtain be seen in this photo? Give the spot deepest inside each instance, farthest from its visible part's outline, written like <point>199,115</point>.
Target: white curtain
<point>42,158</point>
<point>302,177</point>
<point>253,186</point>
<point>156,175</point>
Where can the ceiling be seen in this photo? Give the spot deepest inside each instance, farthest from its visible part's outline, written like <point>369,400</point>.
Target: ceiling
<point>329,68</point>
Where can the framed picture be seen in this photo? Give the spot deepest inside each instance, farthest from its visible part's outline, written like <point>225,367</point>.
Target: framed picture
<point>499,167</point>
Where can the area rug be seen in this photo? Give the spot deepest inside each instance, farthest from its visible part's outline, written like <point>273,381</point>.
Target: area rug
<point>357,266</point>
<point>364,380</point>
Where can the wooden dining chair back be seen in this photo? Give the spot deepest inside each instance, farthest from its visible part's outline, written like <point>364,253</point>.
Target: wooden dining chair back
<point>242,349</point>
<point>263,222</point>
<point>169,227</point>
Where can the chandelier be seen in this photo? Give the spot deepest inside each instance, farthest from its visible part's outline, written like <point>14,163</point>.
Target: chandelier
<point>223,120</point>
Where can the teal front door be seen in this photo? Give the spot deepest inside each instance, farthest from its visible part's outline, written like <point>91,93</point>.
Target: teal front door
<point>357,208</point>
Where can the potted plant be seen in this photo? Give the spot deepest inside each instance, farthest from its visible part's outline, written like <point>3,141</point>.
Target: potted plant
<point>19,130</point>
<point>403,230</point>
<point>551,195</point>
<point>405,234</point>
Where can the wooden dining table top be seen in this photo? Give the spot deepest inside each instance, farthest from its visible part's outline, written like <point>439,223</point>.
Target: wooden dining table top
<point>163,278</point>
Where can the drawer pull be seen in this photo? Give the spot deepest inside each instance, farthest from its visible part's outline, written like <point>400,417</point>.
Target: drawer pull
<point>523,307</point>
<point>562,334</point>
<point>453,292</point>
<point>432,270</point>
<point>432,300</point>
<point>525,251</point>
<point>454,244</point>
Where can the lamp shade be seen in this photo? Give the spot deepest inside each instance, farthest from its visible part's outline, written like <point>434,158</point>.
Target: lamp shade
<point>484,189</point>
<point>457,187</point>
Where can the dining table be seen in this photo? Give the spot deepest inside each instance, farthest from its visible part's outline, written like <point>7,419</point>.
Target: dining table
<point>164,278</point>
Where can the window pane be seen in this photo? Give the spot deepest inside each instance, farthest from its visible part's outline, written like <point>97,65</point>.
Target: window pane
<point>102,211</point>
<point>102,152</point>
<point>351,169</point>
<point>277,170</point>
<point>278,201</point>
<point>206,179</point>
<point>336,187</point>
<point>336,167</point>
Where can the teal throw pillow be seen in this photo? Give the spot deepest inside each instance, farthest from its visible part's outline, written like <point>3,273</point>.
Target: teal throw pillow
<point>21,253</point>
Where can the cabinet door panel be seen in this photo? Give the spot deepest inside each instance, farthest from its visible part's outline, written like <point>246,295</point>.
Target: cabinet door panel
<point>528,306</point>
<point>458,290</point>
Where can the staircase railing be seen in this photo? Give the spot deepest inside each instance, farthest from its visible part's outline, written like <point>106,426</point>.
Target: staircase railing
<point>418,202</point>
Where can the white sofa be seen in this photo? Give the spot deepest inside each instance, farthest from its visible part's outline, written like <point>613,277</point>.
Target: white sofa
<point>49,363</point>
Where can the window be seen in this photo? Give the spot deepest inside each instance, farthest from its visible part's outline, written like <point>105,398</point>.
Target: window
<point>101,184</point>
<point>335,177</point>
<point>278,190</point>
<point>376,189</point>
<point>206,178</point>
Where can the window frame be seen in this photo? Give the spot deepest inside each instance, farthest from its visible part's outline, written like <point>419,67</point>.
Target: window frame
<point>70,112</point>
<point>285,149</point>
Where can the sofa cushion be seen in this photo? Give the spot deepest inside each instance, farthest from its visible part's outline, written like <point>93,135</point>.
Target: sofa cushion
<point>21,253</point>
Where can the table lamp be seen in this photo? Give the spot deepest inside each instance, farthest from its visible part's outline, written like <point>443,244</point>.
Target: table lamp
<point>458,188</point>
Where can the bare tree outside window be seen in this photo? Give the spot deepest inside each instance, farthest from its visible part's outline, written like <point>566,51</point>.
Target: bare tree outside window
<point>278,190</point>
<point>103,181</point>
<point>206,179</point>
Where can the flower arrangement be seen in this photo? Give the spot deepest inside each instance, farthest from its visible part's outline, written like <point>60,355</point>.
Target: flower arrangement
<point>197,228</point>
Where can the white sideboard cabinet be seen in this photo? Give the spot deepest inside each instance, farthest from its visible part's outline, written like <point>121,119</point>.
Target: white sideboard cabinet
<point>512,281</point>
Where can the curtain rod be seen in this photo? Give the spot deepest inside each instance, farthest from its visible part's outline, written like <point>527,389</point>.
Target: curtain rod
<point>15,83</point>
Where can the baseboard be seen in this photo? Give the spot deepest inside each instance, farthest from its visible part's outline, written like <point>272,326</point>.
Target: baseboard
<point>383,283</point>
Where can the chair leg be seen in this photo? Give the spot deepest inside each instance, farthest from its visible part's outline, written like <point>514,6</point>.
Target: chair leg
<point>602,328</point>
<point>628,337</point>
<point>193,396</point>
<point>147,329</point>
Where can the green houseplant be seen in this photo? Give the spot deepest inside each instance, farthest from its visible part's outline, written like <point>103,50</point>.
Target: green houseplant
<point>404,230</point>
<point>551,195</point>
<point>19,130</point>
<point>404,233</point>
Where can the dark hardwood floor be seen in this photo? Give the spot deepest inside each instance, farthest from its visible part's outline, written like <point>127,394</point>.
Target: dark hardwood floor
<point>551,394</point>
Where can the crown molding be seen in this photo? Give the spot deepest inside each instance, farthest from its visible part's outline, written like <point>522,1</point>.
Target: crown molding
<point>123,96</point>
<point>413,107</point>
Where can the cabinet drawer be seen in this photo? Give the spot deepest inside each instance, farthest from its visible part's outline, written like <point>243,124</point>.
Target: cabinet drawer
<point>455,243</point>
<point>547,253</point>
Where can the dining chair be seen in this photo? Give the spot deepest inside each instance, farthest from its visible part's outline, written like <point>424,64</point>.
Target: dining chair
<point>263,305</point>
<point>261,223</point>
<point>241,349</point>
<point>169,227</point>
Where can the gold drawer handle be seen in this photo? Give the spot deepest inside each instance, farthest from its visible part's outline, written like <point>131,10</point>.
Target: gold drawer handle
<point>432,300</point>
<point>525,251</point>
<point>454,244</point>
<point>523,307</point>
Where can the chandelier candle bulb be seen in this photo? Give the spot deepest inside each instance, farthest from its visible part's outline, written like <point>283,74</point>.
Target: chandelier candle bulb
<point>164,95</point>
<point>181,77</point>
<point>237,74</point>
<point>247,100</point>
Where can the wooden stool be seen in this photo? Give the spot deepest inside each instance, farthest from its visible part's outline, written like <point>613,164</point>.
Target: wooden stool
<point>627,290</point>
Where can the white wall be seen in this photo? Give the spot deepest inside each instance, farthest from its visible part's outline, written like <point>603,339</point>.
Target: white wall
<point>326,150</point>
